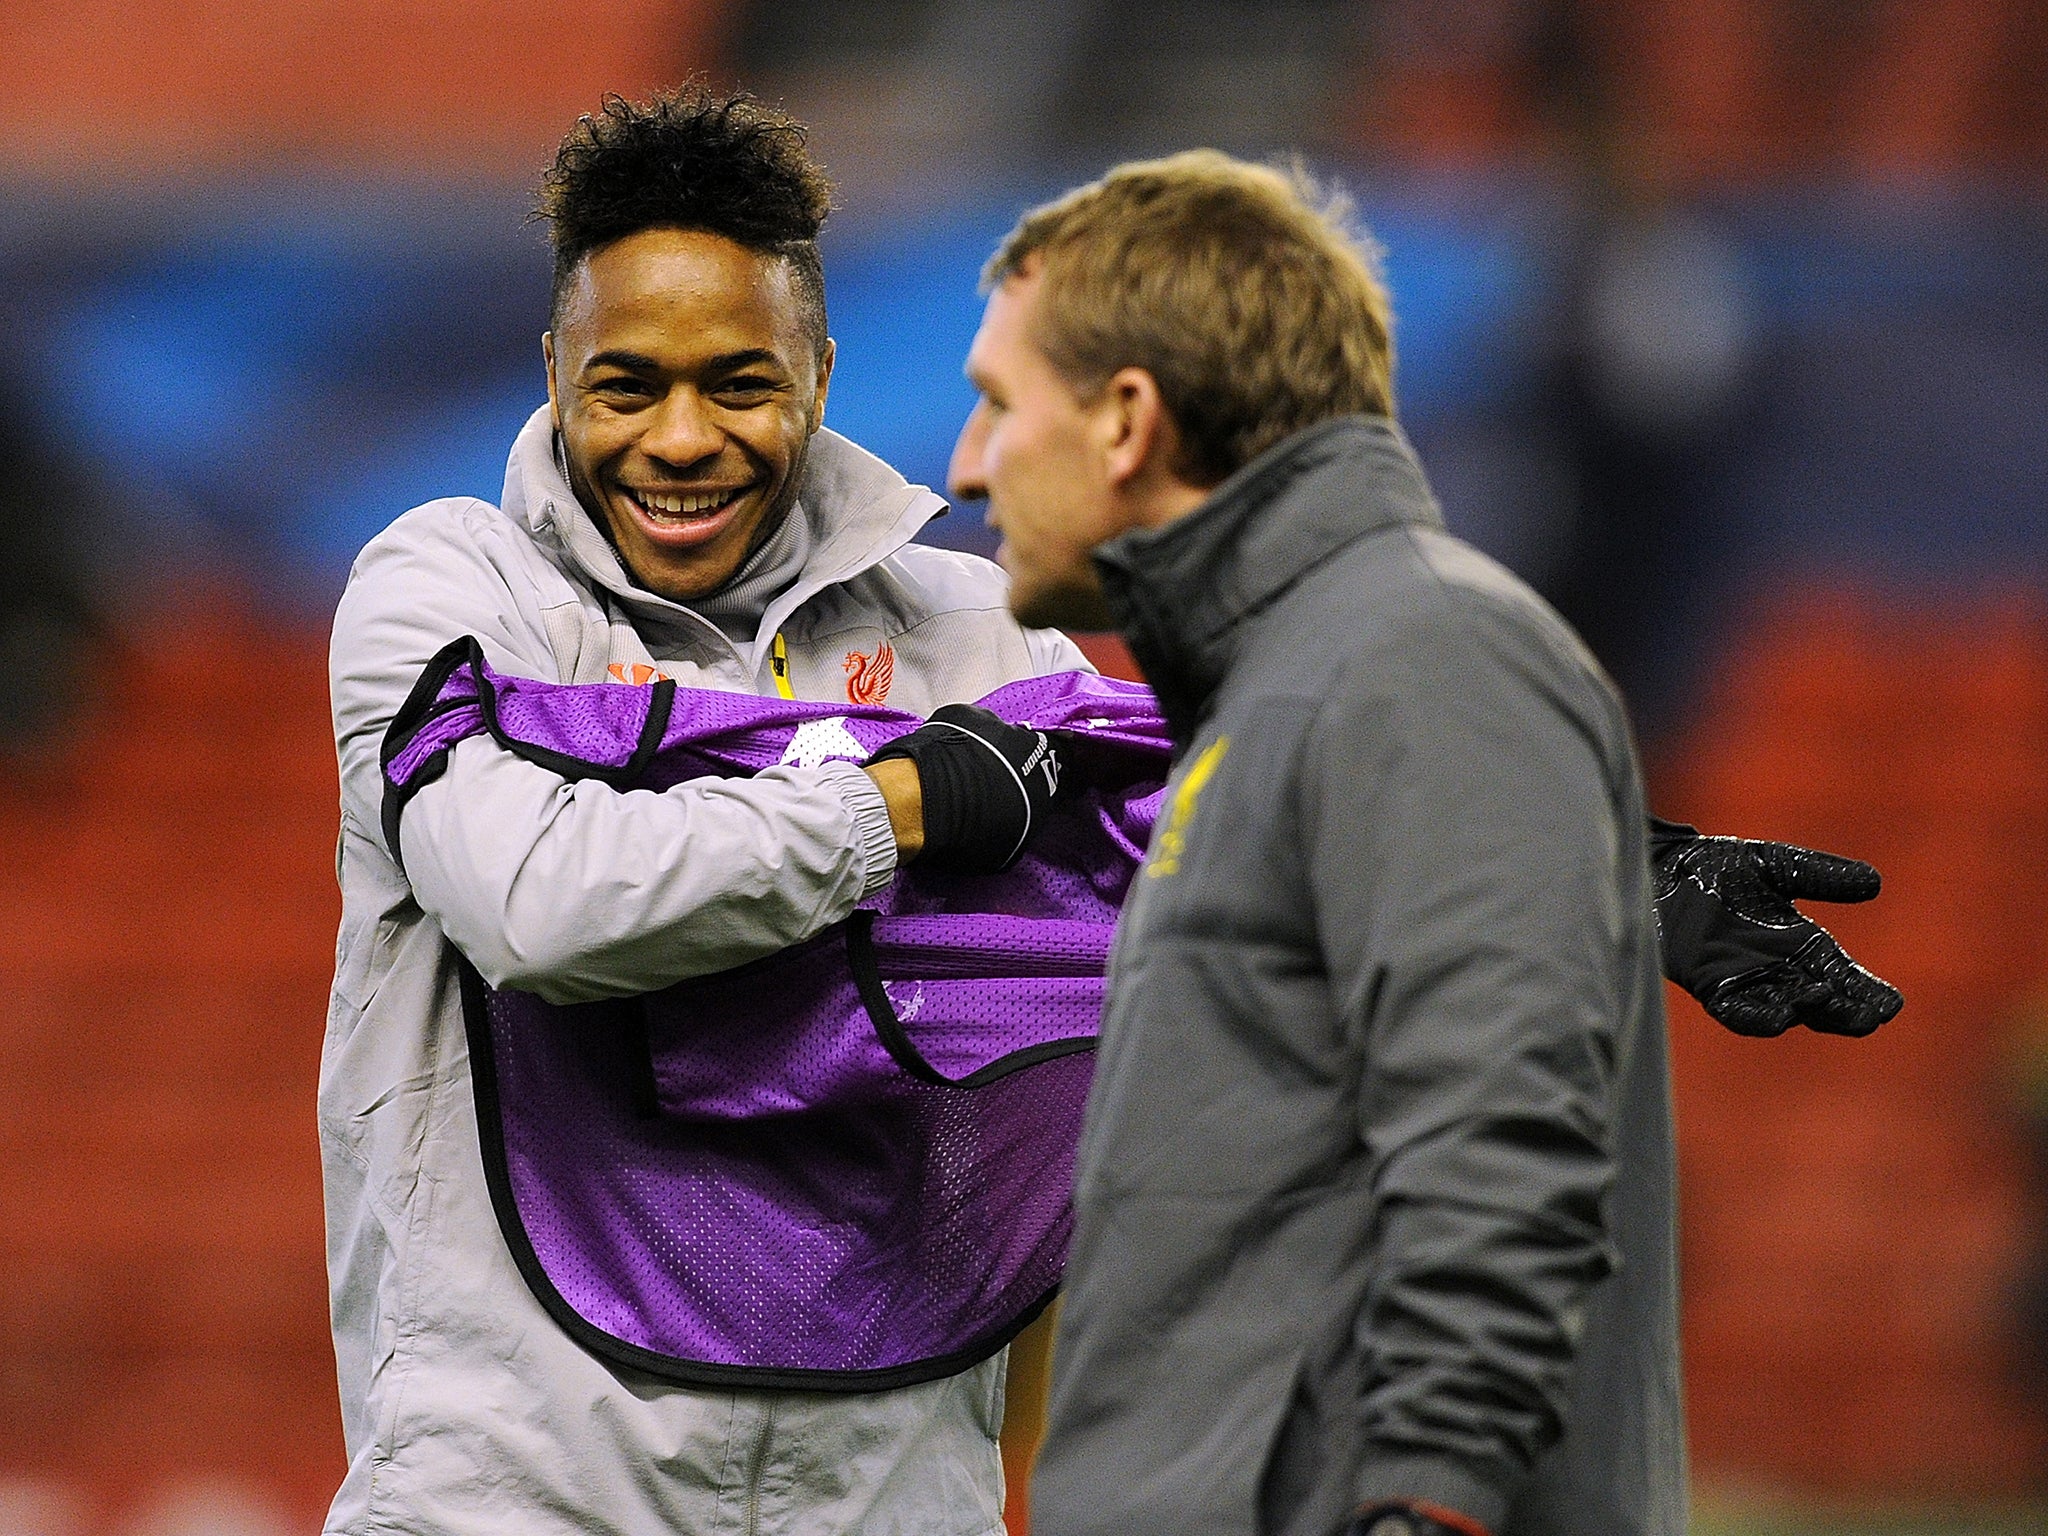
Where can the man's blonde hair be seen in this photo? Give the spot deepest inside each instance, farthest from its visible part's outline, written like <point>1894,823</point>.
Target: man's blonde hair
<point>1240,288</point>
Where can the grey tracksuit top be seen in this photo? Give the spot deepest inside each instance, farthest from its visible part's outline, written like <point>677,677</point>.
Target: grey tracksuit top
<point>466,1410</point>
<point>1375,1197</point>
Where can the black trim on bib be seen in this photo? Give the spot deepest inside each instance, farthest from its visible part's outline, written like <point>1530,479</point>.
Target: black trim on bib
<point>423,705</point>
<point>619,1352</point>
<point>874,997</point>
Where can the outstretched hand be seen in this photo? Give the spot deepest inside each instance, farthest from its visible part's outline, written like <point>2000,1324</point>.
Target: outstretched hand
<point>1733,939</point>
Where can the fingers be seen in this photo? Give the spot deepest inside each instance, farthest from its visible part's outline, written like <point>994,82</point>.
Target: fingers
<point>1810,875</point>
<point>1850,1000</point>
<point>1756,1004</point>
<point>1859,1007</point>
<point>1821,988</point>
<point>1758,1014</point>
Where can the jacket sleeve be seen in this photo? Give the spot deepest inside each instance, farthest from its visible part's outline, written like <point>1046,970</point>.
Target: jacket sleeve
<point>1460,823</point>
<point>577,891</point>
<point>1051,651</point>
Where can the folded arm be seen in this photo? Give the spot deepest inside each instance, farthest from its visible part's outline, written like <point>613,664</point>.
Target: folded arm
<point>575,890</point>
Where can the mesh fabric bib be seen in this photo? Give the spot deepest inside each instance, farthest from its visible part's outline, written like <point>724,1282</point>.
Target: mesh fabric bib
<point>844,1167</point>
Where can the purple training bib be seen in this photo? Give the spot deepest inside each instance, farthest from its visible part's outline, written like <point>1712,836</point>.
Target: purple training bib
<point>843,1167</point>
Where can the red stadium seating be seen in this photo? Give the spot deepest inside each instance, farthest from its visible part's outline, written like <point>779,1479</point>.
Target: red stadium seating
<point>1854,1211</point>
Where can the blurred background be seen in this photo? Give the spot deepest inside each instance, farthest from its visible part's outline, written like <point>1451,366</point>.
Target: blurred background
<point>1725,322</point>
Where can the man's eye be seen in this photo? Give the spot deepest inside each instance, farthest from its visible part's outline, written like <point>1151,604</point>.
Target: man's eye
<point>624,385</point>
<point>747,386</point>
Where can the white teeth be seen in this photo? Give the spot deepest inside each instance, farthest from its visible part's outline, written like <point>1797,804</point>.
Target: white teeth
<point>674,505</point>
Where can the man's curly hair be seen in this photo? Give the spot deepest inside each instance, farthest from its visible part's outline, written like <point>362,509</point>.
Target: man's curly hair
<point>690,159</point>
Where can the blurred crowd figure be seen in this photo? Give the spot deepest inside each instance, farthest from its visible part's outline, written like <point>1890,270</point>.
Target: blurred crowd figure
<point>1716,88</point>
<point>1641,112</point>
<point>47,611</point>
<point>1716,91</point>
<point>1600,479</point>
<point>1646,367</point>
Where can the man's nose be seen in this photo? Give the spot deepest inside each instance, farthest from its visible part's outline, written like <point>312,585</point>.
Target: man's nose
<point>683,430</point>
<point>964,476</point>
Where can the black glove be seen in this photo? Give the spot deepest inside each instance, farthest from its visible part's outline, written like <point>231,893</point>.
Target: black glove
<point>1732,938</point>
<point>986,786</point>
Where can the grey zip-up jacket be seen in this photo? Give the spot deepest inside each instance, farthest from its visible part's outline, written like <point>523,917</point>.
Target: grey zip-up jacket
<point>465,1409</point>
<point>1375,1198</point>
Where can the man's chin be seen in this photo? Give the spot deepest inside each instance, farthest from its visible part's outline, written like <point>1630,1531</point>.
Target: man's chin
<point>1044,605</point>
<point>684,577</point>
<point>683,580</point>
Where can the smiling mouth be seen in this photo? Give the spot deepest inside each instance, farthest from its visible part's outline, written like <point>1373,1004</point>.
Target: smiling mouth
<point>676,509</point>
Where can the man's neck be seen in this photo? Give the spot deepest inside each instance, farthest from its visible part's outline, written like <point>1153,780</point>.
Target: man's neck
<point>1157,496</point>
<point>777,562</point>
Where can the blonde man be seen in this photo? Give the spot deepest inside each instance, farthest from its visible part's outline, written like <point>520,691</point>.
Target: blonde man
<point>1375,1205</point>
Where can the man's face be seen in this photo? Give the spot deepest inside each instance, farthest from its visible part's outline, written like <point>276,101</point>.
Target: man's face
<point>1035,449</point>
<point>685,387</point>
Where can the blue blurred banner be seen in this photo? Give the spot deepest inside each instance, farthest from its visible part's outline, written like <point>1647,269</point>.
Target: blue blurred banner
<point>275,376</point>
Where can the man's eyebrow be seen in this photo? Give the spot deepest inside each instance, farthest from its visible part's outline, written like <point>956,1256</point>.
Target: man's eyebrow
<point>725,362</point>
<point>752,357</point>
<point>618,357</point>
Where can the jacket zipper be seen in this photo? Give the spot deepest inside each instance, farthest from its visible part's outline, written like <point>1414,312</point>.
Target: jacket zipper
<point>757,1466</point>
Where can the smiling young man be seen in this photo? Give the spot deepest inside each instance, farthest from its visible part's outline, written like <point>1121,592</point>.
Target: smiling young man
<point>1374,1208</point>
<point>676,510</point>
<point>686,378</point>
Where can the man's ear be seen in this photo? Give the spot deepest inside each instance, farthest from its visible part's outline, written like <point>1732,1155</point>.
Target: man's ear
<point>825,361</point>
<point>1142,453</point>
<point>1138,434</point>
<point>547,353</point>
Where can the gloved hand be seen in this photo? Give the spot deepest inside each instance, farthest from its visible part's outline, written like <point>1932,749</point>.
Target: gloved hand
<point>1732,938</point>
<point>986,786</point>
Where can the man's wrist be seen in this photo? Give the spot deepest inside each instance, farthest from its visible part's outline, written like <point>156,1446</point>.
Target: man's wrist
<point>903,792</point>
<point>1664,834</point>
<point>874,837</point>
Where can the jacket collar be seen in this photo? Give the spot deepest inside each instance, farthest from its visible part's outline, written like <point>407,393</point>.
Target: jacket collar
<point>1181,593</point>
<point>861,512</point>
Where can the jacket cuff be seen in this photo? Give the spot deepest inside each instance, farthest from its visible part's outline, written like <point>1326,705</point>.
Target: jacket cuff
<point>872,829</point>
<point>1387,1478</point>
<point>1662,831</point>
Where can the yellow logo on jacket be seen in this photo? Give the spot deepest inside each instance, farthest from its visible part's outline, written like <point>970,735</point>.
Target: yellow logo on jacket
<point>1170,841</point>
